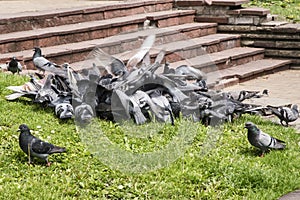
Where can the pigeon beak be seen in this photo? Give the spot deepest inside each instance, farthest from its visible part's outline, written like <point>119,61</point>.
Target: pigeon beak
<point>18,130</point>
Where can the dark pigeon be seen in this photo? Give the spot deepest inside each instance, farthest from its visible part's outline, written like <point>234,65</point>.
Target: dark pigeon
<point>262,140</point>
<point>34,147</point>
<point>14,66</point>
<point>285,114</point>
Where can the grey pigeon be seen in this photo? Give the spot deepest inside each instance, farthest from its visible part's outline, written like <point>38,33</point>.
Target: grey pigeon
<point>34,147</point>
<point>42,63</point>
<point>83,113</point>
<point>285,114</point>
<point>64,110</point>
<point>14,65</point>
<point>262,140</point>
<point>191,72</point>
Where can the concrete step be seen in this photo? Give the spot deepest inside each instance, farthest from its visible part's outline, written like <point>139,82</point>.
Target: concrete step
<point>42,19</point>
<point>75,52</point>
<point>223,59</point>
<point>18,41</point>
<point>240,73</point>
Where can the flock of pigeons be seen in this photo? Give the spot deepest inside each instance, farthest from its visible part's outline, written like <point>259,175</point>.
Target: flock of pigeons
<point>143,89</point>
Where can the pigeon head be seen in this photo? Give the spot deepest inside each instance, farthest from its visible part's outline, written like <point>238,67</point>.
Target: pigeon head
<point>23,128</point>
<point>37,49</point>
<point>37,52</point>
<point>251,126</point>
<point>295,107</point>
<point>265,91</point>
<point>83,113</point>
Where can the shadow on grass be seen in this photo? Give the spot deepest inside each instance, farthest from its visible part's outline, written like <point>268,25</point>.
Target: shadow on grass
<point>23,159</point>
<point>250,151</point>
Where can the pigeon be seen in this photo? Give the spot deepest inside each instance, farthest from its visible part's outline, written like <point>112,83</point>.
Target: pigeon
<point>111,64</point>
<point>34,147</point>
<point>262,140</point>
<point>64,110</point>
<point>42,63</point>
<point>245,94</point>
<point>144,49</point>
<point>14,65</point>
<point>83,114</point>
<point>190,72</point>
<point>285,114</point>
<point>29,89</point>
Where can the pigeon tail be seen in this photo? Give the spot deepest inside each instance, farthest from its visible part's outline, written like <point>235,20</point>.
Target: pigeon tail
<point>278,144</point>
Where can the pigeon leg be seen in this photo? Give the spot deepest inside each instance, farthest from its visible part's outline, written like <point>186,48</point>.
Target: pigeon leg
<point>261,155</point>
<point>286,123</point>
<point>48,164</point>
<point>30,160</point>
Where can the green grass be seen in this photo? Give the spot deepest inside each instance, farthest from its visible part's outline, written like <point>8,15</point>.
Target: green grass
<point>227,169</point>
<point>286,9</point>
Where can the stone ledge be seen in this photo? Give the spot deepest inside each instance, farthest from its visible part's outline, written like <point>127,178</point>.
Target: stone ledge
<point>250,11</point>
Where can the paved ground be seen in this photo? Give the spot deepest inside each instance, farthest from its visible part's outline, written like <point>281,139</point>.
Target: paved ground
<point>284,86</point>
<point>283,89</point>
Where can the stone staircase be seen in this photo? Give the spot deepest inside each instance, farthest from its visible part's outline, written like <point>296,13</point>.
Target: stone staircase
<point>69,35</point>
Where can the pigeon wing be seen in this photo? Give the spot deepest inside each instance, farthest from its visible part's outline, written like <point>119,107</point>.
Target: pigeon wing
<point>145,48</point>
<point>40,147</point>
<point>288,114</point>
<point>271,142</point>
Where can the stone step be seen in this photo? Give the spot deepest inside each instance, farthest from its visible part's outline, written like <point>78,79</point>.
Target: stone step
<point>42,19</point>
<point>181,50</point>
<point>187,3</point>
<point>212,19</point>
<point>75,52</point>
<point>223,59</point>
<point>18,41</point>
<point>255,11</point>
<point>192,47</point>
<point>280,39</point>
<point>240,73</point>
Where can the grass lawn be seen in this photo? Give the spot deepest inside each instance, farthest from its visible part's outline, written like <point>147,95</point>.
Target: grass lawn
<point>228,168</point>
<point>286,9</point>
